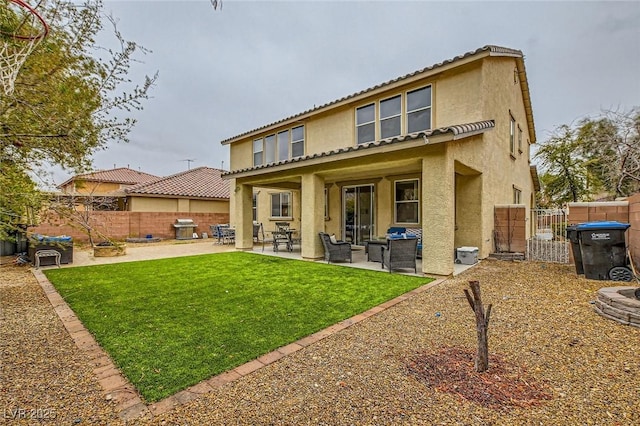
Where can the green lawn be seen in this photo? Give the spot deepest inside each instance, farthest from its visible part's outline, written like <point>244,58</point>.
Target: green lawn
<point>171,323</point>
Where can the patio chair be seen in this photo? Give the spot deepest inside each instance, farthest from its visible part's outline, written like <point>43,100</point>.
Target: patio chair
<point>282,235</point>
<point>400,254</point>
<point>283,226</point>
<point>223,233</point>
<point>418,233</point>
<point>228,235</point>
<point>335,251</point>
<point>215,233</point>
<point>258,233</point>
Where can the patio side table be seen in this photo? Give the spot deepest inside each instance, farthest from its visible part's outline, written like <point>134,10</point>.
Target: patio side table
<point>373,248</point>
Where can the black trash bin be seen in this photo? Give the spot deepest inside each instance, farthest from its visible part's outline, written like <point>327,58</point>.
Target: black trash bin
<point>7,248</point>
<point>572,234</point>
<point>604,251</point>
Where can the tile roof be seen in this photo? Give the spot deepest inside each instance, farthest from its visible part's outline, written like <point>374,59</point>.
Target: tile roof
<point>201,182</point>
<point>458,131</point>
<point>120,175</point>
<point>492,51</point>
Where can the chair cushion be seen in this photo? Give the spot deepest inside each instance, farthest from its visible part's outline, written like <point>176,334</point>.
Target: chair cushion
<point>396,230</point>
<point>333,239</point>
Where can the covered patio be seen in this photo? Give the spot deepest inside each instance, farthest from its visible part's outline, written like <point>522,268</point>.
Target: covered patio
<point>359,259</point>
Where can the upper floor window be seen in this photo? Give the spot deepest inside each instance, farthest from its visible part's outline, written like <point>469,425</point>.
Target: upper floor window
<point>279,147</point>
<point>419,110</point>
<point>270,149</point>
<point>257,151</point>
<point>519,139</point>
<point>407,201</point>
<point>390,117</point>
<point>365,123</point>
<point>283,145</point>
<point>281,204</point>
<point>512,135</point>
<point>297,141</point>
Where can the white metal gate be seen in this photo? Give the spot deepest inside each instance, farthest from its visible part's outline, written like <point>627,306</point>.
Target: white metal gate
<point>548,242</point>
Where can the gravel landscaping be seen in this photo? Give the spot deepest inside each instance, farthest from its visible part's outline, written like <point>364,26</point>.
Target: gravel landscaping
<point>543,336</point>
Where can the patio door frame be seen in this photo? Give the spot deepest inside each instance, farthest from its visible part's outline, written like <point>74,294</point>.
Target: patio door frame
<point>361,231</point>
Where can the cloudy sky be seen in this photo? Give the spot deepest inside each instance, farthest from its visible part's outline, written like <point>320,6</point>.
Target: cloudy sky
<point>225,72</point>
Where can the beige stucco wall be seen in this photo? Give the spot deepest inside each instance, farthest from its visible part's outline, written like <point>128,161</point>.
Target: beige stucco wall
<point>457,96</point>
<point>158,204</point>
<point>149,204</point>
<point>208,206</point>
<point>89,187</point>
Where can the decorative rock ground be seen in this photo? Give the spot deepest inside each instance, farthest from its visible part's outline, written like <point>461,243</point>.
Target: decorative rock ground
<point>619,304</point>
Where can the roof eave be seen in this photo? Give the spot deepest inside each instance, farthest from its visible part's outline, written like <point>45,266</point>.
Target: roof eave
<point>435,136</point>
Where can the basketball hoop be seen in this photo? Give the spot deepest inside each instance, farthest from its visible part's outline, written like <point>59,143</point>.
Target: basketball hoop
<point>216,4</point>
<point>21,30</point>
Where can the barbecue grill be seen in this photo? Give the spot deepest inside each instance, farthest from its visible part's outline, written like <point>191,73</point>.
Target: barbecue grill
<point>184,229</point>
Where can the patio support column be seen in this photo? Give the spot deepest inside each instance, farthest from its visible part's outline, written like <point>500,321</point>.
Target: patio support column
<point>243,195</point>
<point>312,216</point>
<point>438,215</point>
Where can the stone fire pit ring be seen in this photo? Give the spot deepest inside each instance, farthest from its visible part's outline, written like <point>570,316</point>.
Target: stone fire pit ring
<point>619,304</point>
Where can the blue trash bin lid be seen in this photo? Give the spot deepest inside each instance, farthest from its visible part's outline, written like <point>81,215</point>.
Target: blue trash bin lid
<point>52,239</point>
<point>609,224</point>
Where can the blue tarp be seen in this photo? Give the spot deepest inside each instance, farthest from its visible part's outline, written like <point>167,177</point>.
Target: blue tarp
<point>50,239</point>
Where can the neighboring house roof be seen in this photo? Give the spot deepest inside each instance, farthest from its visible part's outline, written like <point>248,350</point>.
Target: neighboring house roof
<point>458,131</point>
<point>488,50</point>
<point>122,175</point>
<point>201,182</point>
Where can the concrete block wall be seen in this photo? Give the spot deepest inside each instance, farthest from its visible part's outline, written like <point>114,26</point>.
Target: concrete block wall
<point>120,225</point>
<point>598,211</point>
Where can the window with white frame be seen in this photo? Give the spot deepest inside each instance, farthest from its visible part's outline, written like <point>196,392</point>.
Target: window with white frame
<point>257,152</point>
<point>255,206</point>
<point>281,204</point>
<point>279,147</point>
<point>297,141</point>
<point>517,196</point>
<point>512,134</point>
<point>407,201</point>
<point>366,123</point>
<point>326,204</point>
<point>519,139</point>
<point>419,110</point>
<point>283,145</point>
<point>270,149</point>
<point>390,117</point>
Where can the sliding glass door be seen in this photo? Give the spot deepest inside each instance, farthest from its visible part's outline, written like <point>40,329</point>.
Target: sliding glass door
<point>358,213</point>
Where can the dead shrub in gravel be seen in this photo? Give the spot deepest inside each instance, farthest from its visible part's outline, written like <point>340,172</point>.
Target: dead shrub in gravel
<point>451,369</point>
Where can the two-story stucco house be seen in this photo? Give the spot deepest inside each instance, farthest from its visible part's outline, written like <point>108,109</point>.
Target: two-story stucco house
<point>436,150</point>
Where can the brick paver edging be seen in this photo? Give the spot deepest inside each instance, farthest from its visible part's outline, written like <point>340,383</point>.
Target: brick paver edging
<point>129,403</point>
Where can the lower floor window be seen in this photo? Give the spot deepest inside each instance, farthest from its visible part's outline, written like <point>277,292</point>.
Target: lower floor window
<point>281,204</point>
<point>407,201</point>
<point>255,206</point>
<point>517,196</point>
